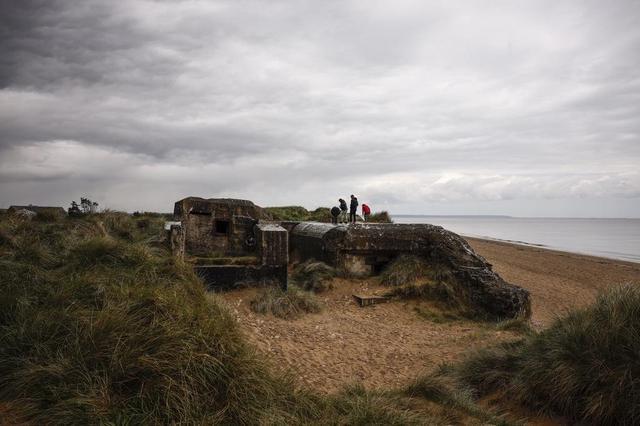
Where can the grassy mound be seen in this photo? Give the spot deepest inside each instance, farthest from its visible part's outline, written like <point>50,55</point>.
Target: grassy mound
<point>313,275</point>
<point>94,328</point>
<point>586,366</point>
<point>288,304</point>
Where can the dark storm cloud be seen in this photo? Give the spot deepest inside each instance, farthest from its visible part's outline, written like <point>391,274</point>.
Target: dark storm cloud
<point>407,103</point>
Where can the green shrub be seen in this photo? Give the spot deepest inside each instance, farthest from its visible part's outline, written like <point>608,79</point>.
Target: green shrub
<point>586,366</point>
<point>313,275</point>
<point>286,304</point>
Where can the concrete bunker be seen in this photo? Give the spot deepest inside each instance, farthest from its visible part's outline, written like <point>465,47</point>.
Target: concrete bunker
<point>364,249</point>
<point>233,243</point>
<point>228,243</point>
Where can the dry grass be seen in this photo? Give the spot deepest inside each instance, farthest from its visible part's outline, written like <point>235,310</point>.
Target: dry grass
<point>586,366</point>
<point>313,276</point>
<point>404,270</point>
<point>286,304</point>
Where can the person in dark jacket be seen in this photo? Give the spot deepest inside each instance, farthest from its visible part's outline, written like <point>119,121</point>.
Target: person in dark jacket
<point>353,208</point>
<point>335,212</point>
<point>343,210</point>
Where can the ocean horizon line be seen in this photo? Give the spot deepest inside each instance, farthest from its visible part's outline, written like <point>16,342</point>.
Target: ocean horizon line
<point>500,216</point>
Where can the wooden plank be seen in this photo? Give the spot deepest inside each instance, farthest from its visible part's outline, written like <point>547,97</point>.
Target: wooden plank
<point>366,300</point>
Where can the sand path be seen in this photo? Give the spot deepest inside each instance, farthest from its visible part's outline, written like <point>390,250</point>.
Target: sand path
<point>384,345</point>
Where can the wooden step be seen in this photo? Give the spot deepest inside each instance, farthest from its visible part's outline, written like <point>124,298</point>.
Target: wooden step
<point>366,300</point>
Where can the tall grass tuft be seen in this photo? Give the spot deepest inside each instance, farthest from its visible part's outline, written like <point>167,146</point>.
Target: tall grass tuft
<point>313,276</point>
<point>407,269</point>
<point>586,366</point>
<point>286,304</point>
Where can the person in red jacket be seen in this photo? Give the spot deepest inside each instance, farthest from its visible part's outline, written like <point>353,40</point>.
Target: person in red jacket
<point>366,211</point>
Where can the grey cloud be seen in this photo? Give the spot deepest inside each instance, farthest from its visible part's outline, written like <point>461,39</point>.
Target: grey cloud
<point>520,100</point>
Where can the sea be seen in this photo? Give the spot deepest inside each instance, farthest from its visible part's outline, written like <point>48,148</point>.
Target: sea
<point>611,238</point>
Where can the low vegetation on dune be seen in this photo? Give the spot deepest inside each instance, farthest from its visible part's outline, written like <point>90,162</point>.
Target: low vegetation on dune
<point>586,366</point>
<point>287,304</point>
<point>313,275</point>
<point>299,214</point>
<point>403,270</point>
<point>321,214</point>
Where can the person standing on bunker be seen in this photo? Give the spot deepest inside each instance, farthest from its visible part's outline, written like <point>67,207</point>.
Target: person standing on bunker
<point>343,210</point>
<point>353,208</point>
<point>335,212</point>
<point>366,211</point>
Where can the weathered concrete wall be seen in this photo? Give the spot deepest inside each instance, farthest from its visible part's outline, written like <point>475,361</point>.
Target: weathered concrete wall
<point>176,240</point>
<point>223,207</point>
<point>54,211</point>
<point>272,243</point>
<point>239,234</point>
<point>315,240</point>
<point>217,226</point>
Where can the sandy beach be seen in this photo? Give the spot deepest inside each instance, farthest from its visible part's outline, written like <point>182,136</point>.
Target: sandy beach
<point>558,281</point>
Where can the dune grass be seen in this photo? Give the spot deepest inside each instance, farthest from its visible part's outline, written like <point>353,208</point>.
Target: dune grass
<point>96,328</point>
<point>295,213</point>
<point>285,304</point>
<point>320,214</point>
<point>406,270</point>
<point>313,275</point>
<point>440,388</point>
<point>586,366</point>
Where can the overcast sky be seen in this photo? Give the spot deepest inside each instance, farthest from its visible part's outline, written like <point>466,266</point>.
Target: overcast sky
<point>529,108</point>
